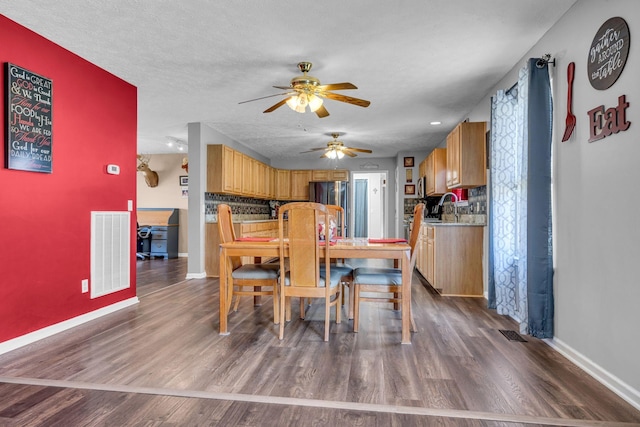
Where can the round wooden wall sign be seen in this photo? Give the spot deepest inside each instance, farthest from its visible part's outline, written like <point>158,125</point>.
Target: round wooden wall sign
<point>608,53</point>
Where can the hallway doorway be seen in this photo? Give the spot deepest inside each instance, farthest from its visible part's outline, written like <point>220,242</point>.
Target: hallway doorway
<point>368,190</point>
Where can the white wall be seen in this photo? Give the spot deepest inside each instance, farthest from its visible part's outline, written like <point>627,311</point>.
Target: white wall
<point>596,285</point>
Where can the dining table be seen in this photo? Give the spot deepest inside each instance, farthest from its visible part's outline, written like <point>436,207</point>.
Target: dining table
<point>392,249</point>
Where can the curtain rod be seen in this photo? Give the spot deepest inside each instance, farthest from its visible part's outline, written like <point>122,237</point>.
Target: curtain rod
<point>545,59</point>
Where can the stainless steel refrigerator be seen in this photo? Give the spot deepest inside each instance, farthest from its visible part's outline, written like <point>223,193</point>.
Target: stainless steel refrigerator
<point>332,193</point>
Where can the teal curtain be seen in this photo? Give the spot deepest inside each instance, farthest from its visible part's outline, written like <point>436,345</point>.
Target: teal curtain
<point>520,245</point>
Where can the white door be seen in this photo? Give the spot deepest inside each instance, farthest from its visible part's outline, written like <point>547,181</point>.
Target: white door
<point>368,207</point>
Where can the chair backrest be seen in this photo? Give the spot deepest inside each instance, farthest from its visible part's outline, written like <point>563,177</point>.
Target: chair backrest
<point>418,215</point>
<point>303,242</point>
<point>226,231</point>
<point>337,212</point>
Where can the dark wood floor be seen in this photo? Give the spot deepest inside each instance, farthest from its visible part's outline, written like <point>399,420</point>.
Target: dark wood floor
<point>162,363</point>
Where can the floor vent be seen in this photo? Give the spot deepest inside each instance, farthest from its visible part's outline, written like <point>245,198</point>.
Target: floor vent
<point>512,335</point>
<point>110,252</point>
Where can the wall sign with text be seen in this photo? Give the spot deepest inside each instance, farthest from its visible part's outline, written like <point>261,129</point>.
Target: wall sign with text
<point>608,53</point>
<point>29,120</point>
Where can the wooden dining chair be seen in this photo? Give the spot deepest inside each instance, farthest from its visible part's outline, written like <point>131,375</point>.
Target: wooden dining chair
<point>345,270</point>
<point>387,281</point>
<point>247,279</point>
<point>301,276</point>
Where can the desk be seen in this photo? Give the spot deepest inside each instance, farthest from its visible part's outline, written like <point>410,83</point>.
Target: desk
<point>347,248</point>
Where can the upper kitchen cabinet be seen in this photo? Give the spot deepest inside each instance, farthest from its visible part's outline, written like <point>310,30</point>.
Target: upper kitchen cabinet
<point>435,171</point>
<point>247,176</point>
<point>300,184</point>
<point>466,156</point>
<point>283,184</point>
<point>220,159</point>
<point>330,175</point>
<point>238,162</point>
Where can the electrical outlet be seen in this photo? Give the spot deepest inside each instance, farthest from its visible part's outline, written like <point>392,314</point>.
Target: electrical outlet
<point>85,285</point>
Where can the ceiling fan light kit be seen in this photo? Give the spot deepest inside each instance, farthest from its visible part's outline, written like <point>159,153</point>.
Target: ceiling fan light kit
<point>300,102</point>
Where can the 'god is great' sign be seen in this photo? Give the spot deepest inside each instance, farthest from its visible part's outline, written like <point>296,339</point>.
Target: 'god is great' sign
<point>29,138</point>
<point>608,53</point>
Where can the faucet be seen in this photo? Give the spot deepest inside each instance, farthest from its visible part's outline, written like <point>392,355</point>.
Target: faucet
<point>455,205</point>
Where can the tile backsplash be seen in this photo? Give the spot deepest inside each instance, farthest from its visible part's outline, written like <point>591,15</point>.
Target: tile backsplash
<point>475,212</point>
<point>242,208</point>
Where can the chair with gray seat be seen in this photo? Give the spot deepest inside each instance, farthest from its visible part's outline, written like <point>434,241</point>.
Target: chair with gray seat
<point>247,279</point>
<point>301,253</point>
<point>385,284</point>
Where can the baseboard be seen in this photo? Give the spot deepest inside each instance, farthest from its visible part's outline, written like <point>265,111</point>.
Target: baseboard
<point>32,337</point>
<point>613,383</point>
<point>183,255</point>
<point>196,275</point>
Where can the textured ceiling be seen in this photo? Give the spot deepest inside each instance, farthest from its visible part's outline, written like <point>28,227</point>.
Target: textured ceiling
<point>195,60</point>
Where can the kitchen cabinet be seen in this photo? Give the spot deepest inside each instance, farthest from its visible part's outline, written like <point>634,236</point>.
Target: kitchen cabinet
<point>247,176</point>
<point>233,172</point>
<point>220,165</point>
<point>421,257</point>
<point>237,172</point>
<point>321,175</point>
<point>466,156</point>
<point>300,184</point>
<point>452,258</point>
<point>260,181</point>
<point>436,172</point>
<point>283,184</point>
<point>422,168</point>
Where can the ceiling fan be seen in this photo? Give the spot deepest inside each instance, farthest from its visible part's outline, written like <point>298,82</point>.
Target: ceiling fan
<point>306,91</point>
<point>336,149</point>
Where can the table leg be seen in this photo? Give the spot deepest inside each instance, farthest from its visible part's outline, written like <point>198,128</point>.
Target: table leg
<point>223,292</point>
<point>406,298</point>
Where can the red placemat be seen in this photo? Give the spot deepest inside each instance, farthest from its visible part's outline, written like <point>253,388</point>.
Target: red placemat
<point>390,240</point>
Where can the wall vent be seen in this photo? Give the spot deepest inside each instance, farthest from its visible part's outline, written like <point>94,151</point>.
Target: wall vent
<point>110,252</point>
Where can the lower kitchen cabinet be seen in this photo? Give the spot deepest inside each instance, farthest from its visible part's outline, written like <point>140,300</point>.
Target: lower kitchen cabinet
<point>452,258</point>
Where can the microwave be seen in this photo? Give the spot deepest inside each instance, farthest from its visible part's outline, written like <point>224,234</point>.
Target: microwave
<point>422,187</point>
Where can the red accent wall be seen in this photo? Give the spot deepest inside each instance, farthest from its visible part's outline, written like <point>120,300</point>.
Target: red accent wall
<point>45,219</point>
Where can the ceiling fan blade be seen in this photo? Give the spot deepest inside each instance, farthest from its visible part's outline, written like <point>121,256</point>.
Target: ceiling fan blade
<point>322,112</point>
<point>337,86</point>
<point>349,153</point>
<point>314,149</point>
<point>278,105</point>
<point>347,99</point>
<point>359,150</point>
<point>325,155</point>
<point>264,97</point>
<point>283,87</point>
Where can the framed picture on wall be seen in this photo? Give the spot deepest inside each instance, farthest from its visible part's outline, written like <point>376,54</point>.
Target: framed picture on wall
<point>408,162</point>
<point>410,189</point>
<point>184,180</point>
<point>409,175</point>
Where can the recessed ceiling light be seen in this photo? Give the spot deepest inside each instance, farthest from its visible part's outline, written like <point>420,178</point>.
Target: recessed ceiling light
<point>435,123</point>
